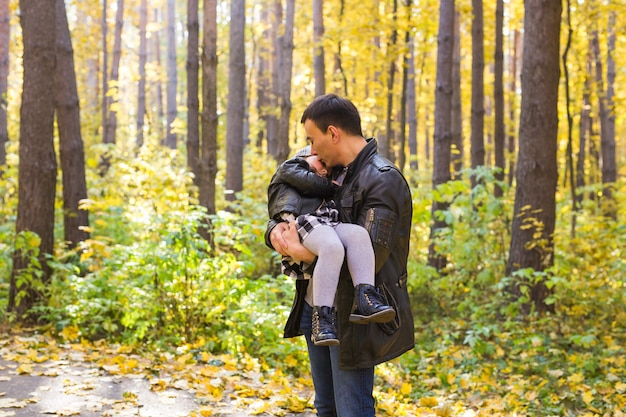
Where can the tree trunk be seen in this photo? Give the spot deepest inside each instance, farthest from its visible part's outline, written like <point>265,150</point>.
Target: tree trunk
<point>385,143</point>
<point>584,132</point>
<point>512,105</point>
<point>38,164</point>
<point>71,147</point>
<point>193,104</point>
<point>477,137</point>
<point>208,147</point>
<point>457,113</point>
<point>105,71</point>
<point>609,170</point>
<point>569,153</point>
<point>532,239</point>
<point>272,119</point>
<point>499,130</point>
<point>411,104</point>
<point>236,99</point>
<point>403,96</point>
<point>172,82</point>
<point>443,114</point>
<point>160,112</point>
<point>143,58</point>
<point>338,71</point>
<point>5,38</point>
<point>263,79</point>
<point>113,90</point>
<point>286,63</point>
<point>319,67</point>
<point>607,135</point>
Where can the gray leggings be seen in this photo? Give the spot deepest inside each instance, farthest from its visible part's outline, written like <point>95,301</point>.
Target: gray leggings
<point>330,244</point>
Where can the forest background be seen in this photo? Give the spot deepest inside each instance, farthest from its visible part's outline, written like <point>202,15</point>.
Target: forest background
<point>138,138</point>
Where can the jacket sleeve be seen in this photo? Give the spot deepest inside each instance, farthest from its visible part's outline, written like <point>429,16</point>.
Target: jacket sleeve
<point>295,172</point>
<point>386,207</point>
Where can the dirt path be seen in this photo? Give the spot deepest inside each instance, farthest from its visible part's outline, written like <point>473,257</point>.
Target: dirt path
<point>69,383</point>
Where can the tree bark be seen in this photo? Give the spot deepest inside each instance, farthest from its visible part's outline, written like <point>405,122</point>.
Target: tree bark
<point>532,239</point>
<point>38,164</point>
<point>236,99</point>
<point>513,106</point>
<point>319,67</point>
<point>457,113</point>
<point>286,64</point>
<point>143,58</point>
<point>263,80</point>
<point>72,153</point>
<point>477,137</point>
<point>110,126</point>
<point>172,74</point>
<point>499,130</point>
<point>411,104</point>
<point>5,38</point>
<point>208,147</point>
<point>193,103</point>
<point>442,136</point>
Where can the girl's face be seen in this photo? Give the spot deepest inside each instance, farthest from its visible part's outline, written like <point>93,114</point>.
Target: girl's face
<point>317,166</point>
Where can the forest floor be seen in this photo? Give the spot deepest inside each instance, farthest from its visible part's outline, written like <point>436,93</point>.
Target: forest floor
<point>39,377</point>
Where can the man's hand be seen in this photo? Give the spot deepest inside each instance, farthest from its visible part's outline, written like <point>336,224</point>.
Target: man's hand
<point>276,238</point>
<point>286,241</point>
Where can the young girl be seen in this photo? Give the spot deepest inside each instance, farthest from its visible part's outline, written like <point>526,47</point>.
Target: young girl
<point>304,182</point>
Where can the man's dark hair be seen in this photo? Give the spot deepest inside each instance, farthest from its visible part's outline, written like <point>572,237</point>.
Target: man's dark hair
<point>330,109</point>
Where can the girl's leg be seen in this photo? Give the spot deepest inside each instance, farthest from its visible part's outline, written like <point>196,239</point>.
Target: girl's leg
<point>359,252</point>
<point>324,242</point>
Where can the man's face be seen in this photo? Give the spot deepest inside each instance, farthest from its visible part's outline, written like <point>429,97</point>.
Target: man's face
<point>321,144</point>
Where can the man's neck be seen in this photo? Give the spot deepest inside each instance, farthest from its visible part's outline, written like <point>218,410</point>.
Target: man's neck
<point>353,146</point>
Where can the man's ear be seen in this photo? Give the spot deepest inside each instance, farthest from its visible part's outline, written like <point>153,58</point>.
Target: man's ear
<point>334,133</point>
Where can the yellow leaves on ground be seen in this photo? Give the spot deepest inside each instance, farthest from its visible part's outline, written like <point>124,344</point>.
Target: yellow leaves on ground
<point>220,383</point>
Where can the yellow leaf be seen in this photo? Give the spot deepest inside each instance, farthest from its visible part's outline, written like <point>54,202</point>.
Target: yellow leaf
<point>406,388</point>
<point>428,401</point>
<point>25,369</point>
<point>587,397</point>
<point>70,333</point>
<point>206,411</point>
<point>576,378</point>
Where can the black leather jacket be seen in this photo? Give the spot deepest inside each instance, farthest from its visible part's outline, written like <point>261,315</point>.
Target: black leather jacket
<point>375,195</point>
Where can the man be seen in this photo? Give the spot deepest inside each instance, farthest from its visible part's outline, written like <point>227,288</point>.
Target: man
<point>375,195</point>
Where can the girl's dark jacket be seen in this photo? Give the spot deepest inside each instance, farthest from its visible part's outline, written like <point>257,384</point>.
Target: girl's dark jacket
<point>296,189</point>
<point>375,195</point>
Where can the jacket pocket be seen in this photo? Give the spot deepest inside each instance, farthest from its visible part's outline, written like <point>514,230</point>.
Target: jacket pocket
<point>381,225</point>
<point>392,326</point>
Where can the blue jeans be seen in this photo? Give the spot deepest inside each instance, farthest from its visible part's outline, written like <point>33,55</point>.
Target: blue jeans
<point>353,396</point>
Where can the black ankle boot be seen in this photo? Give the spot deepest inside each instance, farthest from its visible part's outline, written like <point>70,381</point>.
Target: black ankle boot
<point>324,327</point>
<point>369,306</point>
